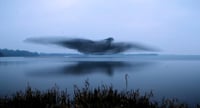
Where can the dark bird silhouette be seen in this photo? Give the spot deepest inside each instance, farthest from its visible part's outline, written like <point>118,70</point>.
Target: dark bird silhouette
<point>86,46</point>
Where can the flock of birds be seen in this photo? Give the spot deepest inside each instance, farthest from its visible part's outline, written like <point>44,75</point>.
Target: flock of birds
<point>86,46</point>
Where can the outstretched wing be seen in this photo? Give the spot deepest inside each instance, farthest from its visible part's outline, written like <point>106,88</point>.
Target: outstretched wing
<point>77,44</point>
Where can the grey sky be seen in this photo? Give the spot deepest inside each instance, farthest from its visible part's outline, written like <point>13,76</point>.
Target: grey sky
<point>170,25</point>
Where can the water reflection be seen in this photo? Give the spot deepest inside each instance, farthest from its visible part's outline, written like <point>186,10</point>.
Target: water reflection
<point>89,67</point>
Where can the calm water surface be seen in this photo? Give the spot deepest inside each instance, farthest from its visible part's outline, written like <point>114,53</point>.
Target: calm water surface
<point>169,76</point>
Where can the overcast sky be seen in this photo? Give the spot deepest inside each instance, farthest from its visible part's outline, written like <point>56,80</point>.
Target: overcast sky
<point>170,25</point>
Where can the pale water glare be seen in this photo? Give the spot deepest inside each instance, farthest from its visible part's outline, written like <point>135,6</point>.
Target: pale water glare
<point>169,76</point>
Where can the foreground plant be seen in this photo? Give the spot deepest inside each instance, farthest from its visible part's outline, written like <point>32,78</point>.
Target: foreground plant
<point>100,97</point>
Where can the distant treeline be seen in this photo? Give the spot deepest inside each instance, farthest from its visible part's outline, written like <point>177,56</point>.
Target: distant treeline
<point>16,53</point>
<point>1,55</point>
<point>24,53</point>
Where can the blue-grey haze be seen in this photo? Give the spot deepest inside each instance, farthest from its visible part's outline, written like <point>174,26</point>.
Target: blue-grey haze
<point>170,25</point>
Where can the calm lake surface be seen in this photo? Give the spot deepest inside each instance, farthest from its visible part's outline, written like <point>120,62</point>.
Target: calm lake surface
<point>170,76</point>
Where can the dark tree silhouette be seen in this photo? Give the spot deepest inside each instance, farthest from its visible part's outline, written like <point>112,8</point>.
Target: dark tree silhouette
<point>16,53</point>
<point>1,55</point>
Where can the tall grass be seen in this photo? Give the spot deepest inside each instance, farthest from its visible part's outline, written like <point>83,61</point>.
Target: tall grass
<point>100,97</point>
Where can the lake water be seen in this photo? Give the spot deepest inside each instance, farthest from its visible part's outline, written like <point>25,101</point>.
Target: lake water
<point>170,76</point>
